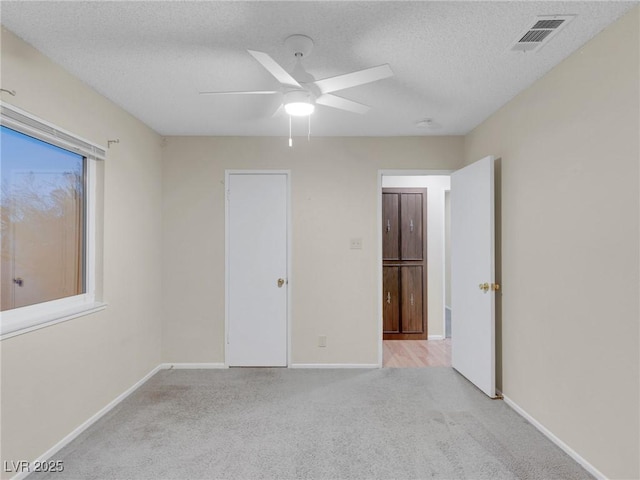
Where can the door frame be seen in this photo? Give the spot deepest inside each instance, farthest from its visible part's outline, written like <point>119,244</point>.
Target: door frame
<point>379,262</point>
<point>227,266</point>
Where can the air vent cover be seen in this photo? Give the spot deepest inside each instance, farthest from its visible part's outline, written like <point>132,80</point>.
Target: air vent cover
<point>542,29</point>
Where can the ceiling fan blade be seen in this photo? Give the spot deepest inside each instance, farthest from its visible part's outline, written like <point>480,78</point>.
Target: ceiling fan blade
<point>342,103</point>
<point>275,69</point>
<point>279,111</point>
<point>248,92</point>
<point>348,80</point>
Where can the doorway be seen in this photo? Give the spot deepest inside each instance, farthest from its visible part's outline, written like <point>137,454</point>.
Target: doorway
<point>257,268</point>
<point>404,262</point>
<point>432,349</point>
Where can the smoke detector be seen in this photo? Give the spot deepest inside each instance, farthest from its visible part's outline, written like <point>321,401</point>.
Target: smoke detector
<point>429,124</point>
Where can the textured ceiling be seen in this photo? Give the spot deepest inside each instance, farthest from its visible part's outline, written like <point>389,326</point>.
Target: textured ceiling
<point>452,60</point>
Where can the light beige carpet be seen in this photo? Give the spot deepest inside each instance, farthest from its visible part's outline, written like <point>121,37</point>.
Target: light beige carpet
<point>313,424</point>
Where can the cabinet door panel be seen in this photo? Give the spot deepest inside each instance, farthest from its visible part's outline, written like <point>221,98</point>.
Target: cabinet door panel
<point>391,300</point>
<point>411,295</point>
<point>390,226</point>
<point>411,225</point>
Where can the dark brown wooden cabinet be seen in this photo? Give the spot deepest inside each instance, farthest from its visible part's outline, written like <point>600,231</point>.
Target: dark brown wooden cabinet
<point>404,263</point>
<point>390,226</point>
<point>411,296</point>
<point>391,301</point>
<point>411,226</point>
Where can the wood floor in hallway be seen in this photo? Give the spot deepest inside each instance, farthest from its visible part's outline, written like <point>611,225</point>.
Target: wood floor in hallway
<point>416,353</point>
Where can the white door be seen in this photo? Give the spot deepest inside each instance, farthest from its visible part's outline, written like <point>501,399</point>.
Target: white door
<point>257,214</point>
<point>472,274</point>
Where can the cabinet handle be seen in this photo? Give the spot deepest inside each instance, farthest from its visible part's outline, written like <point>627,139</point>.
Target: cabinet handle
<point>411,225</point>
<point>412,302</point>
<point>388,225</point>
<point>389,297</point>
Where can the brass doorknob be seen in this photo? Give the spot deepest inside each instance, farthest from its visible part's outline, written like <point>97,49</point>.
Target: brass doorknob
<point>484,287</point>
<point>280,282</point>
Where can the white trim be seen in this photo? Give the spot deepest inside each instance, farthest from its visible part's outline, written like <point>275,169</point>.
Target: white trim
<point>435,337</point>
<point>56,317</point>
<point>414,173</point>
<point>22,121</point>
<point>227,173</point>
<point>378,297</point>
<point>26,319</point>
<point>444,260</point>
<point>335,365</point>
<point>547,433</point>
<point>226,267</point>
<point>289,266</point>
<point>86,424</point>
<point>379,269</point>
<point>191,366</point>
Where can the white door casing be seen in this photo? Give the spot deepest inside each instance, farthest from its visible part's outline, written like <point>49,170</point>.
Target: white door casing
<point>472,265</point>
<point>257,257</point>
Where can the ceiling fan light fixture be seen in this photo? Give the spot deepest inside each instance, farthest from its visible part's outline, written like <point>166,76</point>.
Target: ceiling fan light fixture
<point>298,103</point>
<point>299,109</point>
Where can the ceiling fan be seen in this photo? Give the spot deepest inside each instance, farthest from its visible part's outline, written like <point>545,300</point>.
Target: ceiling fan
<point>301,91</point>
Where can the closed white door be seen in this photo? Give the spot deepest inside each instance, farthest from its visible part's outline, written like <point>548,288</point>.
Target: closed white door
<point>257,287</point>
<point>472,274</point>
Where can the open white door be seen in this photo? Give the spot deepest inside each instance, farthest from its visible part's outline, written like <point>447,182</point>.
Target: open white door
<point>472,274</point>
<point>257,254</point>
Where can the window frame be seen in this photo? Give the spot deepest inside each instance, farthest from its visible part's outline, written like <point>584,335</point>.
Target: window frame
<point>32,317</point>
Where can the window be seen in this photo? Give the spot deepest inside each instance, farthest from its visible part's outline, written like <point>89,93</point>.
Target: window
<point>47,213</point>
<point>42,200</point>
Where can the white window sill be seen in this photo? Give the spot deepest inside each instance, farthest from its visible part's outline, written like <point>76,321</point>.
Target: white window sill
<point>57,316</point>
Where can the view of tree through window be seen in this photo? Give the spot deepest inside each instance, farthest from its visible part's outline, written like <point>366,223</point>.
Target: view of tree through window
<point>42,204</point>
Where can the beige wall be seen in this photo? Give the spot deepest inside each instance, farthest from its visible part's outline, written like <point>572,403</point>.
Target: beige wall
<point>334,195</point>
<point>55,378</point>
<point>569,148</point>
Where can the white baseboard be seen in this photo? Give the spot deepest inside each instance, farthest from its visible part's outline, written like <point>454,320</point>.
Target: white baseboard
<point>563,446</point>
<point>435,337</point>
<point>90,421</point>
<point>334,365</point>
<point>192,366</point>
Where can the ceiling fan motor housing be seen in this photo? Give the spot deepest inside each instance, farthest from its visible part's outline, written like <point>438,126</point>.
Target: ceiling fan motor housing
<point>299,45</point>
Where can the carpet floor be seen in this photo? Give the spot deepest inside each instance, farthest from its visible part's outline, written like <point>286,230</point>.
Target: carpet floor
<point>428,423</point>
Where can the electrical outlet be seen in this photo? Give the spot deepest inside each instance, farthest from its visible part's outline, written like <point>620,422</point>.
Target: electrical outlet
<point>355,244</point>
<point>322,341</point>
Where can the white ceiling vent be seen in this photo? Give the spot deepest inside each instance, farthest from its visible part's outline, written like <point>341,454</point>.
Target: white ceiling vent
<point>542,29</point>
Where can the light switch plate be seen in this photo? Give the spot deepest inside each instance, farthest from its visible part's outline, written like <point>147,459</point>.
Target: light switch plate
<point>322,341</point>
<point>355,244</point>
